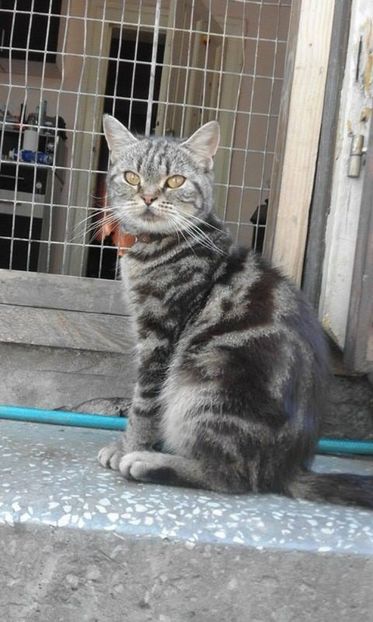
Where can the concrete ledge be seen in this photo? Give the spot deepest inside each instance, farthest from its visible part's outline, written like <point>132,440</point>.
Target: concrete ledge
<point>63,378</point>
<point>79,543</point>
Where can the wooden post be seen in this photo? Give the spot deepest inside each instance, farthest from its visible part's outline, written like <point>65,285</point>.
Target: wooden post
<point>322,190</point>
<point>298,134</point>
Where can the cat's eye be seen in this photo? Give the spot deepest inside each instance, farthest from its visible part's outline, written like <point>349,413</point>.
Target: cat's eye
<point>132,178</point>
<point>175,181</point>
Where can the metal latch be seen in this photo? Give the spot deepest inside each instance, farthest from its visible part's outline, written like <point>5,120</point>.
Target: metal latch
<point>356,155</point>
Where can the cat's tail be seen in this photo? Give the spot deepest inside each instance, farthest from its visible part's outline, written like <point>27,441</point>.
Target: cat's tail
<point>339,488</point>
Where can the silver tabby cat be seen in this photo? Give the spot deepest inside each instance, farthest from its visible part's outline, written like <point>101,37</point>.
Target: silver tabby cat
<point>231,361</point>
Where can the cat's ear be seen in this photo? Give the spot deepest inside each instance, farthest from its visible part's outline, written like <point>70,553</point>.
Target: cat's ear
<point>204,143</point>
<point>117,136</point>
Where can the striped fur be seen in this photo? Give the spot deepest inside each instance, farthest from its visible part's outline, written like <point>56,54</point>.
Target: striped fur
<point>231,361</point>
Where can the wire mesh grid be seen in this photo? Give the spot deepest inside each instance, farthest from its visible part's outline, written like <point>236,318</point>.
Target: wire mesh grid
<point>160,66</point>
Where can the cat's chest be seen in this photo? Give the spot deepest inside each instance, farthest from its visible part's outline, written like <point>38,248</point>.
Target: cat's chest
<point>148,284</point>
<point>146,292</point>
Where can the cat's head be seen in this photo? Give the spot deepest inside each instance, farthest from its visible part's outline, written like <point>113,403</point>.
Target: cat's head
<point>160,185</point>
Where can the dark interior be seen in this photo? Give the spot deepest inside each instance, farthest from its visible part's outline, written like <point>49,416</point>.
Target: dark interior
<point>102,261</point>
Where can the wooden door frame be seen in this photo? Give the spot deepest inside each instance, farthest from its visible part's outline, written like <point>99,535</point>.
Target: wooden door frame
<point>298,134</point>
<point>322,190</point>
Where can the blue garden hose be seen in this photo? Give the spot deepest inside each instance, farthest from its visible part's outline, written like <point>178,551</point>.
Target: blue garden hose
<point>88,420</point>
<point>344,446</point>
<point>61,417</point>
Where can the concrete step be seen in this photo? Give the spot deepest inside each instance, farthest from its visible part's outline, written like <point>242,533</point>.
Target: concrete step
<point>78,543</point>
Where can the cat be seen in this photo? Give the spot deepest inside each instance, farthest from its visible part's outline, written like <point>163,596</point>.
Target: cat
<point>232,363</point>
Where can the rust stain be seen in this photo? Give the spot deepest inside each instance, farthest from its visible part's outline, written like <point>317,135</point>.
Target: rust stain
<point>368,73</point>
<point>366,114</point>
<point>367,64</point>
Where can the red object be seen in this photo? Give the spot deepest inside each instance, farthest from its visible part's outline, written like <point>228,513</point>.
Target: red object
<point>121,239</point>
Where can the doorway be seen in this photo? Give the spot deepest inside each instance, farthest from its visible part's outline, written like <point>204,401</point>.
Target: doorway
<point>126,98</point>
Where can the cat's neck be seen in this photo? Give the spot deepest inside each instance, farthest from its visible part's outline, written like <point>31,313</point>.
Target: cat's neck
<point>208,238</point>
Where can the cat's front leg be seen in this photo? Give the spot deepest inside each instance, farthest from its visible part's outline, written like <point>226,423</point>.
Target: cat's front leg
<point>143,421</point>
<point>141,434</point>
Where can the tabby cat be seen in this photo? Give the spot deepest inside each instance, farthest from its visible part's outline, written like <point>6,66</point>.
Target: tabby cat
<point>232,363</point>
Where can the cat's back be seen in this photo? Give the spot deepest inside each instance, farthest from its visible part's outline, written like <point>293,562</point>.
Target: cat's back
<point>254,310</point>
<point>248,293</point>
<point>255,346</point>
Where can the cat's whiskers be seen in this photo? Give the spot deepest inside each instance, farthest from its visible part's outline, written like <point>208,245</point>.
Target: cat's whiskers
<point>204,243</point>
<point>105,213</point>
<point>180,222</point>
<point>188,230</point>
<point>178,230</point>
<point>85,231</point>
<point>94,229</point>
<point>95,210</point>
<point>194,228</point>
<point>99,197</point>
<point>194,217</point>
<point>106,219</point>
<point>204,239</point>
<point>198,235</point>
<point>167,208</point>
<point>204,222</point>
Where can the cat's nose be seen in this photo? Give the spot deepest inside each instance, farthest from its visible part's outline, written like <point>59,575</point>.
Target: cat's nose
<point>148,198</point>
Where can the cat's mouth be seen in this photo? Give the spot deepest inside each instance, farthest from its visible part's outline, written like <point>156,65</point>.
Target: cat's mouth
<point>150,218</point>
<point>151,214</point>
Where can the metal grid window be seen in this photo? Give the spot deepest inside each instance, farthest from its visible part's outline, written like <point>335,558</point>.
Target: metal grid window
<point>160,66</point>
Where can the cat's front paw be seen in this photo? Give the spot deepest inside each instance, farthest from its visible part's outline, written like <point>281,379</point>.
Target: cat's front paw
<point>135,465</point>
<point>111,455</point>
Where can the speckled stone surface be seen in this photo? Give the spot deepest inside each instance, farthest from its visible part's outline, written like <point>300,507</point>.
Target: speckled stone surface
<point>50,476</point>
<point>76,538</point>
